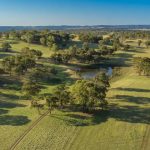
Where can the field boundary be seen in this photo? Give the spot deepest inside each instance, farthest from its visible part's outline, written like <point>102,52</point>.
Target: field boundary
<point>13,146</point>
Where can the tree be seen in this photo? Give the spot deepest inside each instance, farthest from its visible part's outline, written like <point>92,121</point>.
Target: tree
<point>80,94</point>
<point>142,65</point>
<point>85,46</point>
<point>6,35</point>
<point>14,35</point>
<point>35,104</point>
<point>103,47</point>
<point>88,94</point>
<point>137,63</point>
<point>102,79</point>
<point>126,47</point>
<point>147,44</point>
<point>90,38</point>
<point>29,38</point>
<point>2,71</point>
<point>22,64</point>
<point>31,53</point>
<point>1,35</point>
<point>6,46</point>
<point>139,42</point>
<point>61,57</point>
<point>31,88</point>
<point>61,94</point>
<point>43,41</point>
<point>41,73</point>
<point>145,63</point>
<point>50,102</point>
<point>8,64</point>
<point>73,51</point>
<point>54,47</point>
<point>56,58</point>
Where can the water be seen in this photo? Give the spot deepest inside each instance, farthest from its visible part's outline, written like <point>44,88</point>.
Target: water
<point>109,71</point>
<point>91,73</point>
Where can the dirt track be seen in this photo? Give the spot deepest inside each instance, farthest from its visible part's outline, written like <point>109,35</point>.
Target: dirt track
<point>27,131</point>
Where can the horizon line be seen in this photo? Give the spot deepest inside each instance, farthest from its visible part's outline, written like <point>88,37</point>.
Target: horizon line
<point>75,25</point>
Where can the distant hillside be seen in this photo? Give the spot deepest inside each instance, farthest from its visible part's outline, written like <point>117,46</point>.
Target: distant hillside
<point>66,27</point>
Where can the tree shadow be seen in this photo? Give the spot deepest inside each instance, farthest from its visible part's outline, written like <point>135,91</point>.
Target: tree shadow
<point>132,89</point>
<point>51,81</point>
<point>9,96</point>
<point>14,120</point>
<point>70,120</point>
<point>3,111</point>
<point>133,99</point>
<point>136,50</point>
<point>9,51</point>
<point>7,83</point>
<point>132,114</point>
<point>4,104</point>
<point>13,51</point>
<point>83,119</point>
<point>61,77</point>
<point>77,43</point>
<point>130,41</point>
<point>64,78</point>
<point>3,55</point>
<point>121,59</point>
<point>14,42</point>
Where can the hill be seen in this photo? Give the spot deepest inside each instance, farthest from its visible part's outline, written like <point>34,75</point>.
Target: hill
<point>68,27</point>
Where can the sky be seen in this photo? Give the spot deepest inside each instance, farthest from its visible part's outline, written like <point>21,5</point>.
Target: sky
<point>74,12</point>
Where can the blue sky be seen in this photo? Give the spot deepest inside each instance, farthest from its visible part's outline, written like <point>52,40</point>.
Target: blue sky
<point>74,12</point>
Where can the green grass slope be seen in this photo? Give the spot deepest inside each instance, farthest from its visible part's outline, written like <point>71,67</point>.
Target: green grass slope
<point>18,45</point>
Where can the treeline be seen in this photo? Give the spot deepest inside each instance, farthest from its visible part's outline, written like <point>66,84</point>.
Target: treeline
<point>90,38</point>
<point>20,64</point>
<point>54,40</point>
<point>132,35</point>
<point>87,54</point>
<point>82,55</point>
<point>5,47</point>
<point>142,65</point>
<point>26,67</point>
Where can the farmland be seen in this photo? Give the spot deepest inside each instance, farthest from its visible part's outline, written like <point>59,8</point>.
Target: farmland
<point>125,125</point>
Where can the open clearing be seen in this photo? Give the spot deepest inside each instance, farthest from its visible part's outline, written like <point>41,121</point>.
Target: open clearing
<point>125,126</point>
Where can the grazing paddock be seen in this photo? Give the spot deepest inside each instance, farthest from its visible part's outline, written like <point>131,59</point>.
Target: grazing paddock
<point>18,45</point>
<point>124,126</point>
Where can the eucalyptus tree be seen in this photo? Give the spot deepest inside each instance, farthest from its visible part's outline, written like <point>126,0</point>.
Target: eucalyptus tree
<point>61,93</point>
<point>102,79</point>
<point>31,53</point>
<point>51,102</point>
<point>142,65</point>
<point>5,46</point>
<point>8,63</point>
<point>89,94</point>
<point>43,41</point>
<point>139,42</point>
<point>31,88</point>
<point>147,44</point>
<point>18,64</point>
<point>37,105</point>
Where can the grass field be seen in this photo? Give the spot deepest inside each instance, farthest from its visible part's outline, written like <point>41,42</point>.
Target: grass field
<point>122,127</point>
<point>18,45</point>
